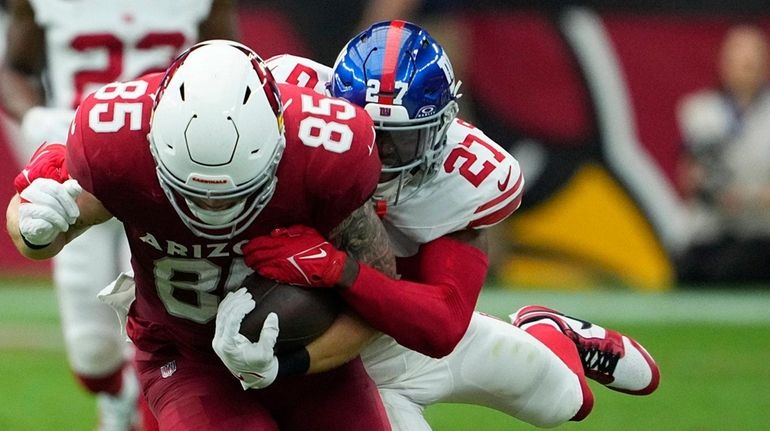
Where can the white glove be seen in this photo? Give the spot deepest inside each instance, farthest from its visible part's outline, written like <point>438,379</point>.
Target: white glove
<point>254,364</point>
<point>47,209</point>
<point>41,124</point>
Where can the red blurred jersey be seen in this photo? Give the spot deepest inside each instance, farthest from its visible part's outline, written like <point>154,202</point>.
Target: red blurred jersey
<point>328,169</point>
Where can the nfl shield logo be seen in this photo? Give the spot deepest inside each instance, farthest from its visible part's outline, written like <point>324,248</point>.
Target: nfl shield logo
<point>384,112</point>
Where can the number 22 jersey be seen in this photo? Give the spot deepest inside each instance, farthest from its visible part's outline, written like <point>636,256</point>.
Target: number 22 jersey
<point>90,43</point>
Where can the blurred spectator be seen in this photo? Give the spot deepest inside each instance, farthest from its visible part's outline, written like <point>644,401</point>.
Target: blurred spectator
<point>725,173</point>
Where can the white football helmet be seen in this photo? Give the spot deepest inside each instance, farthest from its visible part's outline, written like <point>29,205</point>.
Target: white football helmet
<point>216,134</point>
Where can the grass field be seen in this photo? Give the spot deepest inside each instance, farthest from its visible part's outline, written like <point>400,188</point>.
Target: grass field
<point>713,350</point>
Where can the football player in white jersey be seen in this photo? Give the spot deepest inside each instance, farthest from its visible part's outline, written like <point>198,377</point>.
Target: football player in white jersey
<point>443,182</point>
<point>57,53</point>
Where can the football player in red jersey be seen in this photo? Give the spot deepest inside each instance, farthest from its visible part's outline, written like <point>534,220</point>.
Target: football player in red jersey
<point>56,53</point>
<point>443,183</point>
<point>195,163</point>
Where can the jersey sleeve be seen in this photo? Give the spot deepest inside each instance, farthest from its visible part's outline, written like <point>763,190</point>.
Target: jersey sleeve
<point>478,185</point>
<point>44,11</point>
<point>300,71</point>
<point>348,181</point>
<point>435,308</point>
<point>330,145</point>
<point>76,159</point>
<point>107,149</point>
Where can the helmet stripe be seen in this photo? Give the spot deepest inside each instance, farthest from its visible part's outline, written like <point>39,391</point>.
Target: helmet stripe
<point>392,45</point>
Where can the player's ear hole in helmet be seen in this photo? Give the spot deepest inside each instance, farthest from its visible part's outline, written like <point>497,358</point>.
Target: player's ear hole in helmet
<point>403,78</point>
<point>216,134</point>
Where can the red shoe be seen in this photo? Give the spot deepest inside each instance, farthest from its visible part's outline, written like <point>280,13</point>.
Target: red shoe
<point>609,357</point>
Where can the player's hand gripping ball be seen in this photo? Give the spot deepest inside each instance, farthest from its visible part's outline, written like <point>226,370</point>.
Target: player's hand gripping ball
<point>304,313</point>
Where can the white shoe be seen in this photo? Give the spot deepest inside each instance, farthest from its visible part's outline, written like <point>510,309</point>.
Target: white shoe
<point>609,357</point>
<point>120,412</point>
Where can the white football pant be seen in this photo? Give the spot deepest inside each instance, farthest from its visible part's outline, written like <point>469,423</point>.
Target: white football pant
<point>496,365</point>
<point>92,337</point>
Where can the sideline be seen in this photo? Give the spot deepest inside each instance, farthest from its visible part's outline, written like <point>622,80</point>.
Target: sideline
<point>29,318</point>
<point>737,307</point>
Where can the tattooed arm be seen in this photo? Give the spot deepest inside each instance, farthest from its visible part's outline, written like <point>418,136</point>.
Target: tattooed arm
<point>432,314</point>
<point>429,313</point>
<point>363,237</point>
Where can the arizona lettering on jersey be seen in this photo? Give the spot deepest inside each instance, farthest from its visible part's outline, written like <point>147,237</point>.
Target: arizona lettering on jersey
<point>478,185</point>
<point>326,172</point>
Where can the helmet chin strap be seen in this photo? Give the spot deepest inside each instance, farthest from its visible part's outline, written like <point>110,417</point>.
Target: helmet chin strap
<point>216,217</point>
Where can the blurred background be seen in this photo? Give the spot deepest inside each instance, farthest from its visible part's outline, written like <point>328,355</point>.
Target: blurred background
<point>643,130</point>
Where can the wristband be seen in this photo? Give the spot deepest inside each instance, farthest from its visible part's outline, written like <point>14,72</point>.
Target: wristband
<point>32,246</point>
<point>293,363</point>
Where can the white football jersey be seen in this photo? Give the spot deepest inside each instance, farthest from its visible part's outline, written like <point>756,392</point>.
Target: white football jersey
<point>300,71</point>
<point>478,185</point>
<point>90,43</point>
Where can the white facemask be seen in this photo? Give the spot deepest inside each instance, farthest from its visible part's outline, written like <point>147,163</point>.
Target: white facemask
<point>392,191</point>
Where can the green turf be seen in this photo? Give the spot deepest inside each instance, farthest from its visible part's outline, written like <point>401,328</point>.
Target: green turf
<point>715,376</point>
<point>38,393</point>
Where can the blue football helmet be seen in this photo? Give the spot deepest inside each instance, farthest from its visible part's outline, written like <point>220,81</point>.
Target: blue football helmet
<point>403,78</point>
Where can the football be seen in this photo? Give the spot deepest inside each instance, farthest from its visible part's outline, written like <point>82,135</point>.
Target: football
<point>303,314</point>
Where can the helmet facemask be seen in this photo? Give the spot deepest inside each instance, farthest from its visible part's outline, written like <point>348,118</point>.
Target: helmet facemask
<point>225,223</point>
<point>411,154</point>
<point>217,138</point>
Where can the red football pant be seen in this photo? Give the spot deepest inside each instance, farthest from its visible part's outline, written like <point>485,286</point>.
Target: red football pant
<point>201,394</point>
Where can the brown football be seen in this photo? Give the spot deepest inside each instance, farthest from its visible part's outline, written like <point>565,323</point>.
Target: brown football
<point>303,314</point>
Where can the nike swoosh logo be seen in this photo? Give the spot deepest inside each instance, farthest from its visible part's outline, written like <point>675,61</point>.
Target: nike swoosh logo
<point>502,185</point>
<point>321,254</point>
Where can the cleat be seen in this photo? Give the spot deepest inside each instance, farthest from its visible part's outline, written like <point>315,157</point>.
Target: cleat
<point>609,357</point>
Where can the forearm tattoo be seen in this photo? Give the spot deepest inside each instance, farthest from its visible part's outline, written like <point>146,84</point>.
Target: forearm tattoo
<point>363,236</point>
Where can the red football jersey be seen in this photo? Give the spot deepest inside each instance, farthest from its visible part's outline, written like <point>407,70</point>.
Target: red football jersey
<point>328,169</point>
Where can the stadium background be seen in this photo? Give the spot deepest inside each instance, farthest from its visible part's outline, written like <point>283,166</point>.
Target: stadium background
<point>585,95</point>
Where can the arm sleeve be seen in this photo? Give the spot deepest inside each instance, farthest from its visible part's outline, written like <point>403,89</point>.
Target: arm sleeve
<point>76,159</point>
<point>430,316</point>
<point>351,180</point>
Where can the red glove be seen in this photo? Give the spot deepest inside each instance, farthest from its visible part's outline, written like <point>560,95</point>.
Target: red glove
<point>296,255</point>
<point>47,162</point>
